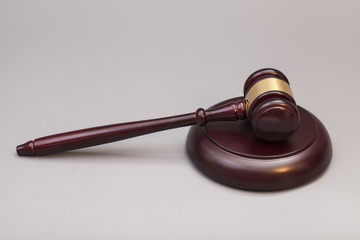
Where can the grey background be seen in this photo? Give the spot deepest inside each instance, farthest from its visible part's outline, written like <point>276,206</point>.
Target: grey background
<point>66,65</point>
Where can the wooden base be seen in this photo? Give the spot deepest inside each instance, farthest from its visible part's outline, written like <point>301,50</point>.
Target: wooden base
<point>229,153</point>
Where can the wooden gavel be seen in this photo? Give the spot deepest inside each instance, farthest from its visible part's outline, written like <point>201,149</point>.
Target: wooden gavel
<point>268,103</point>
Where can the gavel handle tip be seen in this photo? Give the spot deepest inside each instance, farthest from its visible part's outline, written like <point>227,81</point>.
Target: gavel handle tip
<point>26,149</point>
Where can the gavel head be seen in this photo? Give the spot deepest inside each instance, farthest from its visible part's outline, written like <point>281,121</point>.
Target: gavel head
<point>270,105</point>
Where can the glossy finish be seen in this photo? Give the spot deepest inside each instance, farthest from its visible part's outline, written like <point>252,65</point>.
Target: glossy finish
<point>274,115</point>
<point>261,74</point>
<point>231,154</point>
<point>231,111</point>
<point>275,120</point>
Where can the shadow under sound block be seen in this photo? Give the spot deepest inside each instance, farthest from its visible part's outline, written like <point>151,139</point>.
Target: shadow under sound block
<point>231,154</point>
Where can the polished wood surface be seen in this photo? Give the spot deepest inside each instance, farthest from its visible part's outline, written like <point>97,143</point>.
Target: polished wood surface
<point>272,111</point>
<point>231,111</point>
<point>231,154</point>
<point>274,115</point>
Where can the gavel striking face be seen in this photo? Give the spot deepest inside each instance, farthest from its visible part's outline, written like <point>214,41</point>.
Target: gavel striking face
<point>268,103</point>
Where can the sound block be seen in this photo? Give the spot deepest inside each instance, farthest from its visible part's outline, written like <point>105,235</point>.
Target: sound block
<point>231,154</point>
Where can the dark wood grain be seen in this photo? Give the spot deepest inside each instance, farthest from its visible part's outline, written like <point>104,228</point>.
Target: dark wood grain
<point>231,154</point>
<point>273,114</point>
<point>231,111</point>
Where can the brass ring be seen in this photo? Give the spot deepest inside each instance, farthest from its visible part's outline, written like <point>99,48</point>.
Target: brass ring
<point>266,85</point>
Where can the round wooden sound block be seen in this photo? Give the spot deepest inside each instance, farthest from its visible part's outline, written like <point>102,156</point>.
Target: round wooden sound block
<point>230,153</point>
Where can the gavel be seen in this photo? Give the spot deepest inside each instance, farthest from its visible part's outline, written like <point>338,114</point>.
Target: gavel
<point>268,103</point>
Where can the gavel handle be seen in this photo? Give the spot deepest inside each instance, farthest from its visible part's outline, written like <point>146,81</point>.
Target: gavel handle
<point>105,134</point>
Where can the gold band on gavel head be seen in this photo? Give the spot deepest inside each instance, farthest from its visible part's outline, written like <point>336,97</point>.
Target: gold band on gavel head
<point>266,85</point>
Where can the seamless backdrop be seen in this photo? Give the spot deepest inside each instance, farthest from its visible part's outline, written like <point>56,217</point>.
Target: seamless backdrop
<point>66,65</point>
